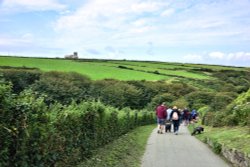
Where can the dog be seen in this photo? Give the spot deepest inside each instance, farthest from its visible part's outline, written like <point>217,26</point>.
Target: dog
<point>168,126</point>
<point>197,130</point>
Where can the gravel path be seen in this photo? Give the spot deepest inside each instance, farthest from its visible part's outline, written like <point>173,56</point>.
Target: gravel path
<point>182,150</point>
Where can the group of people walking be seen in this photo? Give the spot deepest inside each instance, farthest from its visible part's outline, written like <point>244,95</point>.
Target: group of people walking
<point>167,116</point>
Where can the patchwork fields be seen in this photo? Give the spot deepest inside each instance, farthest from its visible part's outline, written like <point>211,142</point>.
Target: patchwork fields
<point>116,69</point>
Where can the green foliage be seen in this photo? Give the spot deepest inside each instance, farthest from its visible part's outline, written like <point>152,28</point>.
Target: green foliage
<point>20,78</point>
<point>181,103</point>
<point>202,114</point>
<point>238,111</point>
<point>126,151</point>
<point>33,134</point>
<point>149,90</point>
<point>158,99</point>
<point>116,93</point>
<point>217,147</point>
<point>63,87</point>
<point>235,113</point>
<point>58,119</point>
<point>208,118</point>
<point>239,79</point>
<point>179,89</point>
<point>222,99</point>
<point>235,138</point>
<point>199,99</point>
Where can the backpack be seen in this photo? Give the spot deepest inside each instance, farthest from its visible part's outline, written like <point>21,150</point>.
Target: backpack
<point>175,116</point>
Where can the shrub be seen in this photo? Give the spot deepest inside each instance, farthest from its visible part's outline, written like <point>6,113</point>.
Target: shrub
<point>221,100</point>
<point>21,78</point>
<point>63,87</point>
<point>158,99</point>
<point>199,99</point>
<point>208,118</point>
<point>118,94</point>
<point>33,134</point>
<point>181,103</point>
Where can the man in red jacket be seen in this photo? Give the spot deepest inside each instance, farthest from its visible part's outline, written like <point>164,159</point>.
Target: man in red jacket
<point>161,117</point>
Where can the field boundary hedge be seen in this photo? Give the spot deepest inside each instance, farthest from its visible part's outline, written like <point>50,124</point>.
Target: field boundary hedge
<point>35,135</point>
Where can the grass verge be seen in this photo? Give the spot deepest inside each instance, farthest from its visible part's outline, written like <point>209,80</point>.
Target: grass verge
<point>230,137</point>
<point>123,152</point>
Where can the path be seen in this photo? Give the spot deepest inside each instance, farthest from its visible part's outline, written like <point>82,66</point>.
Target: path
<point>182,150</point>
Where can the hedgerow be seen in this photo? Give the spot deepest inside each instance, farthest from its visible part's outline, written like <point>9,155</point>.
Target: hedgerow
<point>36,135</point>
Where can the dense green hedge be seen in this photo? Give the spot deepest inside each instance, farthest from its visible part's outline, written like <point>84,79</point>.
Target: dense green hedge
<point>234,114</point>
<point>33,134</point>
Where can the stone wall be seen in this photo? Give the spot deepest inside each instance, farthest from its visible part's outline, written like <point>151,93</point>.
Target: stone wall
<point>237,158</point>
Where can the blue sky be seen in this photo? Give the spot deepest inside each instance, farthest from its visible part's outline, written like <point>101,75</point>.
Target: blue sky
<point>187,31</point>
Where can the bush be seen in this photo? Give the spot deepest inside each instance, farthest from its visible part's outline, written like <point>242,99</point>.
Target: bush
<point>181,103</point>
<point>202,113</point>
<point>238,111</point>
<point>63,87</point>
<point>118,94</point>
<point>158,99</point>
<point>208,118</point>
<point>33,134</point>
<point>20,78</point>
<point>199,99</point>
<point>221,100</point>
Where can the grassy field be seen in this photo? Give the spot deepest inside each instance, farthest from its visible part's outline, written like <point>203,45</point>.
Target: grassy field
<point>117,69</point>
<point>164,69</point>
<point>97,69</point>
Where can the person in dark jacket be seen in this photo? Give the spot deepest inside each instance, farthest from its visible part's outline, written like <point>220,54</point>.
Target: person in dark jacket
<point>161,117</point>
<point>186,114</point>
<point>175,116</point>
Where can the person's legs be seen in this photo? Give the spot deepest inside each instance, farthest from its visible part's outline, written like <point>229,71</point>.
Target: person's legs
<point>176,126</point>
<point>162,125</point>
<point>158,125</point>
<point>174,123</point>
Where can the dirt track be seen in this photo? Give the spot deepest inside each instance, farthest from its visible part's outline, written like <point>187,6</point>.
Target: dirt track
<point>182,150</point>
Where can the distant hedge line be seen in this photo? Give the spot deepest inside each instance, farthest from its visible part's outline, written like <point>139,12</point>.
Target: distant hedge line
<point>33,134</point>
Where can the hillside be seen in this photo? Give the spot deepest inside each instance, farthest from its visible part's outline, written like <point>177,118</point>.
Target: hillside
<point>49,104</point>
<point>121,70</point>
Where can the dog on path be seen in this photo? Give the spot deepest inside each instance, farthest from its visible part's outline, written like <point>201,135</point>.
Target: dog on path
<point>168,125</point>
<point>197,130</point>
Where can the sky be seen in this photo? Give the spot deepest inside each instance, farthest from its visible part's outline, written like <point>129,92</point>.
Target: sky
<point>185,31</point>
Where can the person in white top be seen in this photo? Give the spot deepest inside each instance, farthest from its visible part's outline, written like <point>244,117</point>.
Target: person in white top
<point>169,111</point>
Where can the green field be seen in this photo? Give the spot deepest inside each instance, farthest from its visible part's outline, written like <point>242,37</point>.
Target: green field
<point>103,69</point>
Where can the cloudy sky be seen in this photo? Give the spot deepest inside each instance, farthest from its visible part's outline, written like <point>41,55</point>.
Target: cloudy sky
<point>193,31</point>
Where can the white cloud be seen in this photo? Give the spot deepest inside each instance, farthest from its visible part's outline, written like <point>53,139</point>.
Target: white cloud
<point>123,20</point>
<point>11,41</point>
<point>139,22</point>
<point>217,55</point>
<point>192,58</point>
<point>239,56</point>
<point>167,12</point>
<point>146,7</point>
<point>31,5</point>
<point>172,26</point>
<point>108,21</point>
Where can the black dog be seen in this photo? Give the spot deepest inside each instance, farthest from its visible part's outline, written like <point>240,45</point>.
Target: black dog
<point>168,126</point>
<point>198,130</point>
